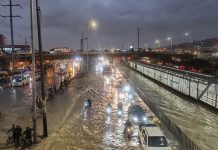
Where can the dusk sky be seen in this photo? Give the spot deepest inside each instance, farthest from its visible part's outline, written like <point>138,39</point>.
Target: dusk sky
<point>63,21</point>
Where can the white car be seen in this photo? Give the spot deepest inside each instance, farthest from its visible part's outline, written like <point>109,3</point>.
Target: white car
<point>152,138</point>
<point>20,80</point>
<point>37,75</point>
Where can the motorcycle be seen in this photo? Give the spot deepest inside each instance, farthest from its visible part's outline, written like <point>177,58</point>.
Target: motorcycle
<point>109,109</point>
<point>120,109</point>
<point>128,132</point>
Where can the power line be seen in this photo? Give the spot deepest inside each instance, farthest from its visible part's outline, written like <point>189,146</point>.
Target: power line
<point>11,16</point>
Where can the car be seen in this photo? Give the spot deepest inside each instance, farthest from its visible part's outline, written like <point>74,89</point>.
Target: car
<point>20,80</point>
<point>137,115</point>
<point>37,75</point>
<point>152,138</point>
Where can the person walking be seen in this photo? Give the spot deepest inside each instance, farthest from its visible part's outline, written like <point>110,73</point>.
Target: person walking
<point>13,131</point>
<point>28,135</point>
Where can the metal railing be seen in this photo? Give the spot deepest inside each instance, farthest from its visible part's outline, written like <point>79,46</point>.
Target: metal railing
<point>182,138</point>
<point>199,87</point>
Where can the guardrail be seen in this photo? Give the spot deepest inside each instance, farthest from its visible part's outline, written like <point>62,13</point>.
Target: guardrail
<point>183,139</point>
<point>201,88</point>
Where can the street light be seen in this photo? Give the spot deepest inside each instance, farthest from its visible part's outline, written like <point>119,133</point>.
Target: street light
<point>171,42</point>
<point>158,42</point>
<point>190,38</point>
<point>93,25</point>
<point>190,41</point>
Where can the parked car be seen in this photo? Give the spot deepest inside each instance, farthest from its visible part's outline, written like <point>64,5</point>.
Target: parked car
<point>20,80</point>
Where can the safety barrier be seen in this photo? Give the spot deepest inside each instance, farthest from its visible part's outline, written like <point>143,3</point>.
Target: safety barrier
<point>185,142</point>
<point>201,87</point>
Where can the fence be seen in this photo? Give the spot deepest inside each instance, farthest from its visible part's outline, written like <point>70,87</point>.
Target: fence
<point>183,139</point>
<point>161,75</point>
<point>202,88</point>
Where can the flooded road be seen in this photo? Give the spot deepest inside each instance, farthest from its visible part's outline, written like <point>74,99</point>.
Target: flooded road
<point>94,129</point>
<point>200,124</point>
<point>71,127</point>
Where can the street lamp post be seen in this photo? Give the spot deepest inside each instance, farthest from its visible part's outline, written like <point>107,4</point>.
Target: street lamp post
<point>33,73</point>
<point>146,46</point>
<point>158,42</point>
<point>190,41</point>
<point>93,25</point>
<point>190,38</point>
<point>38,14</point>
<point>171,43</point>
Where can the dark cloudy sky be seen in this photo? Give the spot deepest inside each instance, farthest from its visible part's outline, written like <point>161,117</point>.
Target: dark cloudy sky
<point>63,21</point>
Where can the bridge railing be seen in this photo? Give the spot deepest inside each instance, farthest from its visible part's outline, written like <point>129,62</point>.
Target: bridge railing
<point>200,88</point>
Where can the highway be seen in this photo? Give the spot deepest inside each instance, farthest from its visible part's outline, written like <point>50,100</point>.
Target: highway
<point>199,123</point>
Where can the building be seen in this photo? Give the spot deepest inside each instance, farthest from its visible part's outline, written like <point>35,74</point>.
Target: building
<point>60,50</point>
<point>2,39</point>
<point>7,49</point>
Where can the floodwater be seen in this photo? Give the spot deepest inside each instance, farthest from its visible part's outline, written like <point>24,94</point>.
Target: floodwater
<point>199,123</point>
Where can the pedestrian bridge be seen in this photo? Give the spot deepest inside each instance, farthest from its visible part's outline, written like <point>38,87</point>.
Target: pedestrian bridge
<point>201,87</point>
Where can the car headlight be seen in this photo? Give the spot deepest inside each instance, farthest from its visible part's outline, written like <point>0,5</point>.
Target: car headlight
<point>108,110</point>
<point>127,88</point>
<point>130,96</point>
<point>121,96</point>
<point>135,119</point>
<point>13,80</point>
<point>119,112</point>
<point>144,119</point>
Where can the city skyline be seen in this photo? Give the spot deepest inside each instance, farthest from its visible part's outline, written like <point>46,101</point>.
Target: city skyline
<point>117,22</point>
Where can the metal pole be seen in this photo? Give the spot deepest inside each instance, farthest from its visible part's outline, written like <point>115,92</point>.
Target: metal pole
<point>138,38</point>
<point>33,72</point>
<point>171,41</point>
<point>190,38</point>
<point>87,65</point>
<point>12,34</point>
<point>45,130</point>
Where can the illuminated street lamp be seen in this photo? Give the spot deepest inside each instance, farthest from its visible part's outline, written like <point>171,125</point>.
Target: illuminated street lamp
<point>190,38</point>
<point>190,41</point>
<point>93,25</point>
<point>171,42</point>
<point>146,45</point>
<point>158,42</point>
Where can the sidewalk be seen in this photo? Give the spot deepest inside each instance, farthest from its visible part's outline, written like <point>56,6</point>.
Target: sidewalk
<point>56,110</point>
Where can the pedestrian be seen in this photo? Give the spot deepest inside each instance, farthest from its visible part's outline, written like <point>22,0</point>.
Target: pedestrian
<point>18,134</point>
<point>13,131</point>
<point>38,102</point>
<point>28,134</point>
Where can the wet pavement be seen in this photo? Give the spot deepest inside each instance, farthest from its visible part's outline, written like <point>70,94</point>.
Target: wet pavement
<point>72,127</point>
<point>16,103</point>
<point>92,129</point>
<point>199,123</point>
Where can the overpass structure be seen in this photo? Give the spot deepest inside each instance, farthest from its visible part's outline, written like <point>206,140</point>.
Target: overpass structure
<point>57,56</point>
<point>200,87</point>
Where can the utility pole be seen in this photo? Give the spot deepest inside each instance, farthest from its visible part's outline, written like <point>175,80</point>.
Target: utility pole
<point>44,113</point>
<point>138,38</point>
<point>10,5</point>
<point>33,73</point>
<point>82,42</point>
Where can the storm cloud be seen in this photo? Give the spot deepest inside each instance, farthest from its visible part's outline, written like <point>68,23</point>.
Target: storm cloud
<point>63,21</point>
